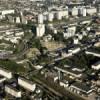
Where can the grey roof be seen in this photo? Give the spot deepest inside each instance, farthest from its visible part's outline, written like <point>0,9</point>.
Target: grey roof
<point>84,87</point>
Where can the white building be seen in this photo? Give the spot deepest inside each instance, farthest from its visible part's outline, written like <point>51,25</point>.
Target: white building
<point>12,35</point>
<point>91,10</point>
<point>70,32</point>
<point>40,30</point>
<point>81,88</point>
<point>15,40</point>
<point>40,19</point>
<point>76,40</point>
<point>19,33</point>
<point>26,84</point>
<point>5,73</point>
<point>38,67</point>
<point>50,16</point>
<point>12,91</point>
<point>74,11</point>
<point>62,14</point>
<point>71,73</point>
<point>23,18</point>
<point>63,84</point>
<point>18,20</point>
<point>74,50</point>
<point>80,35</point>
<point>2,79</point>
<point>8,32</point>
<point>96,66</point>
<point>4,12</point>
<point>59,15</point>
<point>82,11</point>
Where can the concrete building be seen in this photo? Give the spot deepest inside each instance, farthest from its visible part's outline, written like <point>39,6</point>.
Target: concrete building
<point>12,91</point>
<point>69,71</point>
<point>59,15</point>
<point>23,18</point>
<point>91,10</point>
<point>82,11</point>
<point>19,33</point>
<point>81,89</point>
<point>40,30</point>
<point>62,14</point>
<point>5,54</point>
<point>5,12</point>
<point>26,84</point>
<point>18,20</point>
<point>74,11</point>
<point>65,82</point>
<point>74,50</point>
<point>5,73</point>
<point>38,67</point>
<point>50,16</point>
<point>40,19</point>
<point>2,79</point>
<point>76,40</point>
<point>96,66</point>
<point>14,35</point>
<point>80,36</point>
<point>70,31</point>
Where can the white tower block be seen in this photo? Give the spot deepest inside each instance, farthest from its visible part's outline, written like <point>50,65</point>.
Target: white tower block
<point>40,30</point>
<point>40,19</point>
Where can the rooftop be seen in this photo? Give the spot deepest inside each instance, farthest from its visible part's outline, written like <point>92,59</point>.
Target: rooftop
<point>84,87</point>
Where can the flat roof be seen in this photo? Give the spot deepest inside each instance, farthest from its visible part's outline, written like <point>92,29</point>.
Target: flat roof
<point>1,68</point>
<point>26,80</point>
<point>95,50</point>
<point>66,70</point>
<point>84,87</point>
<point>13,88</point>
<point>66,78</point>
<point>97,63</point>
